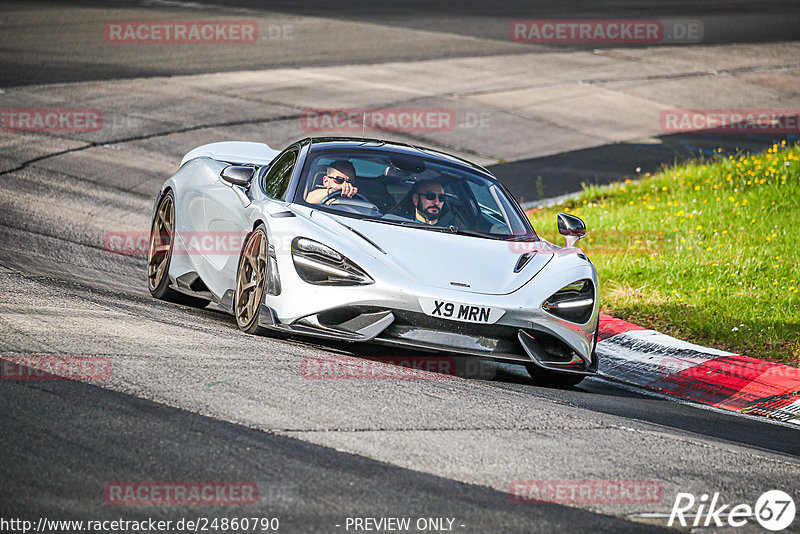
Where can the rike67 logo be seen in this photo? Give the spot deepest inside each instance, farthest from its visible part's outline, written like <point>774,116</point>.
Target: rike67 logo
<point>774,510</point>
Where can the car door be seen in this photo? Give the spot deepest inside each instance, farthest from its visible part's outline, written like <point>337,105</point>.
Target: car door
<point>228,219</point>
<point>224,226</point>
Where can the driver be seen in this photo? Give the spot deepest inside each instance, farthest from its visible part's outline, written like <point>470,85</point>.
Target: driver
<point>339,177</point>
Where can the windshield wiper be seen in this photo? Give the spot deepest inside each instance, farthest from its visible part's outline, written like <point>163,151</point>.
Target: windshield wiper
<point>414,224</point>
<point>452,229</point>
<point>473,233</point>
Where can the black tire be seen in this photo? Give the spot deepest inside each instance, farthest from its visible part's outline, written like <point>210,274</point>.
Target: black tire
<point>251,276</point>
<point>552,378</point>
<point>159,258</point>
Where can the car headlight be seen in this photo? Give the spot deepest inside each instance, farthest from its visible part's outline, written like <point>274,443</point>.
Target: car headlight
<point>319,264</point>
<point>573,302</point>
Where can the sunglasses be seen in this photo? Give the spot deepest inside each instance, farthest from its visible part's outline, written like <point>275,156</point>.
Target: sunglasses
<point>430,195</point>
<point>339,179</point>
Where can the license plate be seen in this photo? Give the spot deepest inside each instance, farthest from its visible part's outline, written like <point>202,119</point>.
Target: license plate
<point>457,311</point>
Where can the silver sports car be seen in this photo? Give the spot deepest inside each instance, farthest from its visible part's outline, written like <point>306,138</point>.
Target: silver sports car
<point>373,241</point>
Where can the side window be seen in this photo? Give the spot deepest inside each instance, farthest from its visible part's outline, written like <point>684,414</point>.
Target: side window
<point>482,195</point>
<point>277,179</point>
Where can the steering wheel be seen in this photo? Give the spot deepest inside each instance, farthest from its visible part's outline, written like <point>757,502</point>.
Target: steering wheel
<point>338,192</point>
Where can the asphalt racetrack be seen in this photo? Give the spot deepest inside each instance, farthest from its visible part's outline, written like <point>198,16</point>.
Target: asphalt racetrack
<point>190,399</point>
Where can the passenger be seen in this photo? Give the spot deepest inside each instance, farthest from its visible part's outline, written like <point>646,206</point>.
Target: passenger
<point>428,198</point>
<point>339,177</point>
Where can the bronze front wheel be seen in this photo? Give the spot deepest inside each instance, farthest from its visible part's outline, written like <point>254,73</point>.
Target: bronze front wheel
<point>250,281</point>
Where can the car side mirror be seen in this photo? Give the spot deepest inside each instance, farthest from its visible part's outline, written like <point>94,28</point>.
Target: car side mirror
<point>572,227</point>
<point>237,175</point>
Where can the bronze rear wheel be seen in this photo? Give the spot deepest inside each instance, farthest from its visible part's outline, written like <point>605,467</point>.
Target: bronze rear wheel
<point>159,255</point>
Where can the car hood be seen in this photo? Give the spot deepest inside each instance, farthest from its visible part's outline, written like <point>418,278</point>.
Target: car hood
<point>452,261</point>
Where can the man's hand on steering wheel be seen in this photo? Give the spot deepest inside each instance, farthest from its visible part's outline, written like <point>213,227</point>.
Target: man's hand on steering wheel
<point>339,193</point>
<point>347,189</point>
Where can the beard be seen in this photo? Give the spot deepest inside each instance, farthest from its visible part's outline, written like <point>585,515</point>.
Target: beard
<point>431,213</point>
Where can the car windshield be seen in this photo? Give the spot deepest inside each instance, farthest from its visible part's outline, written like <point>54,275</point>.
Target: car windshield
<point>398,188</point>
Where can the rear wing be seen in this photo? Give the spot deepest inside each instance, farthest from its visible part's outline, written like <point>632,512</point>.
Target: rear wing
<point>234,152</point>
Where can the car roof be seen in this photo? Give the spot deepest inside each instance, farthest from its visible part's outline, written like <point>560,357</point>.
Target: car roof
<point>322,143</point>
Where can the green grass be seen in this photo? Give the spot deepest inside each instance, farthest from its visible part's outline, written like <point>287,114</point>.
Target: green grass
<point>707,251</point>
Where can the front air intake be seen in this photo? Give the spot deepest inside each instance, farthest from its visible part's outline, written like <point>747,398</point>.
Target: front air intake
<point>548,351</point>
